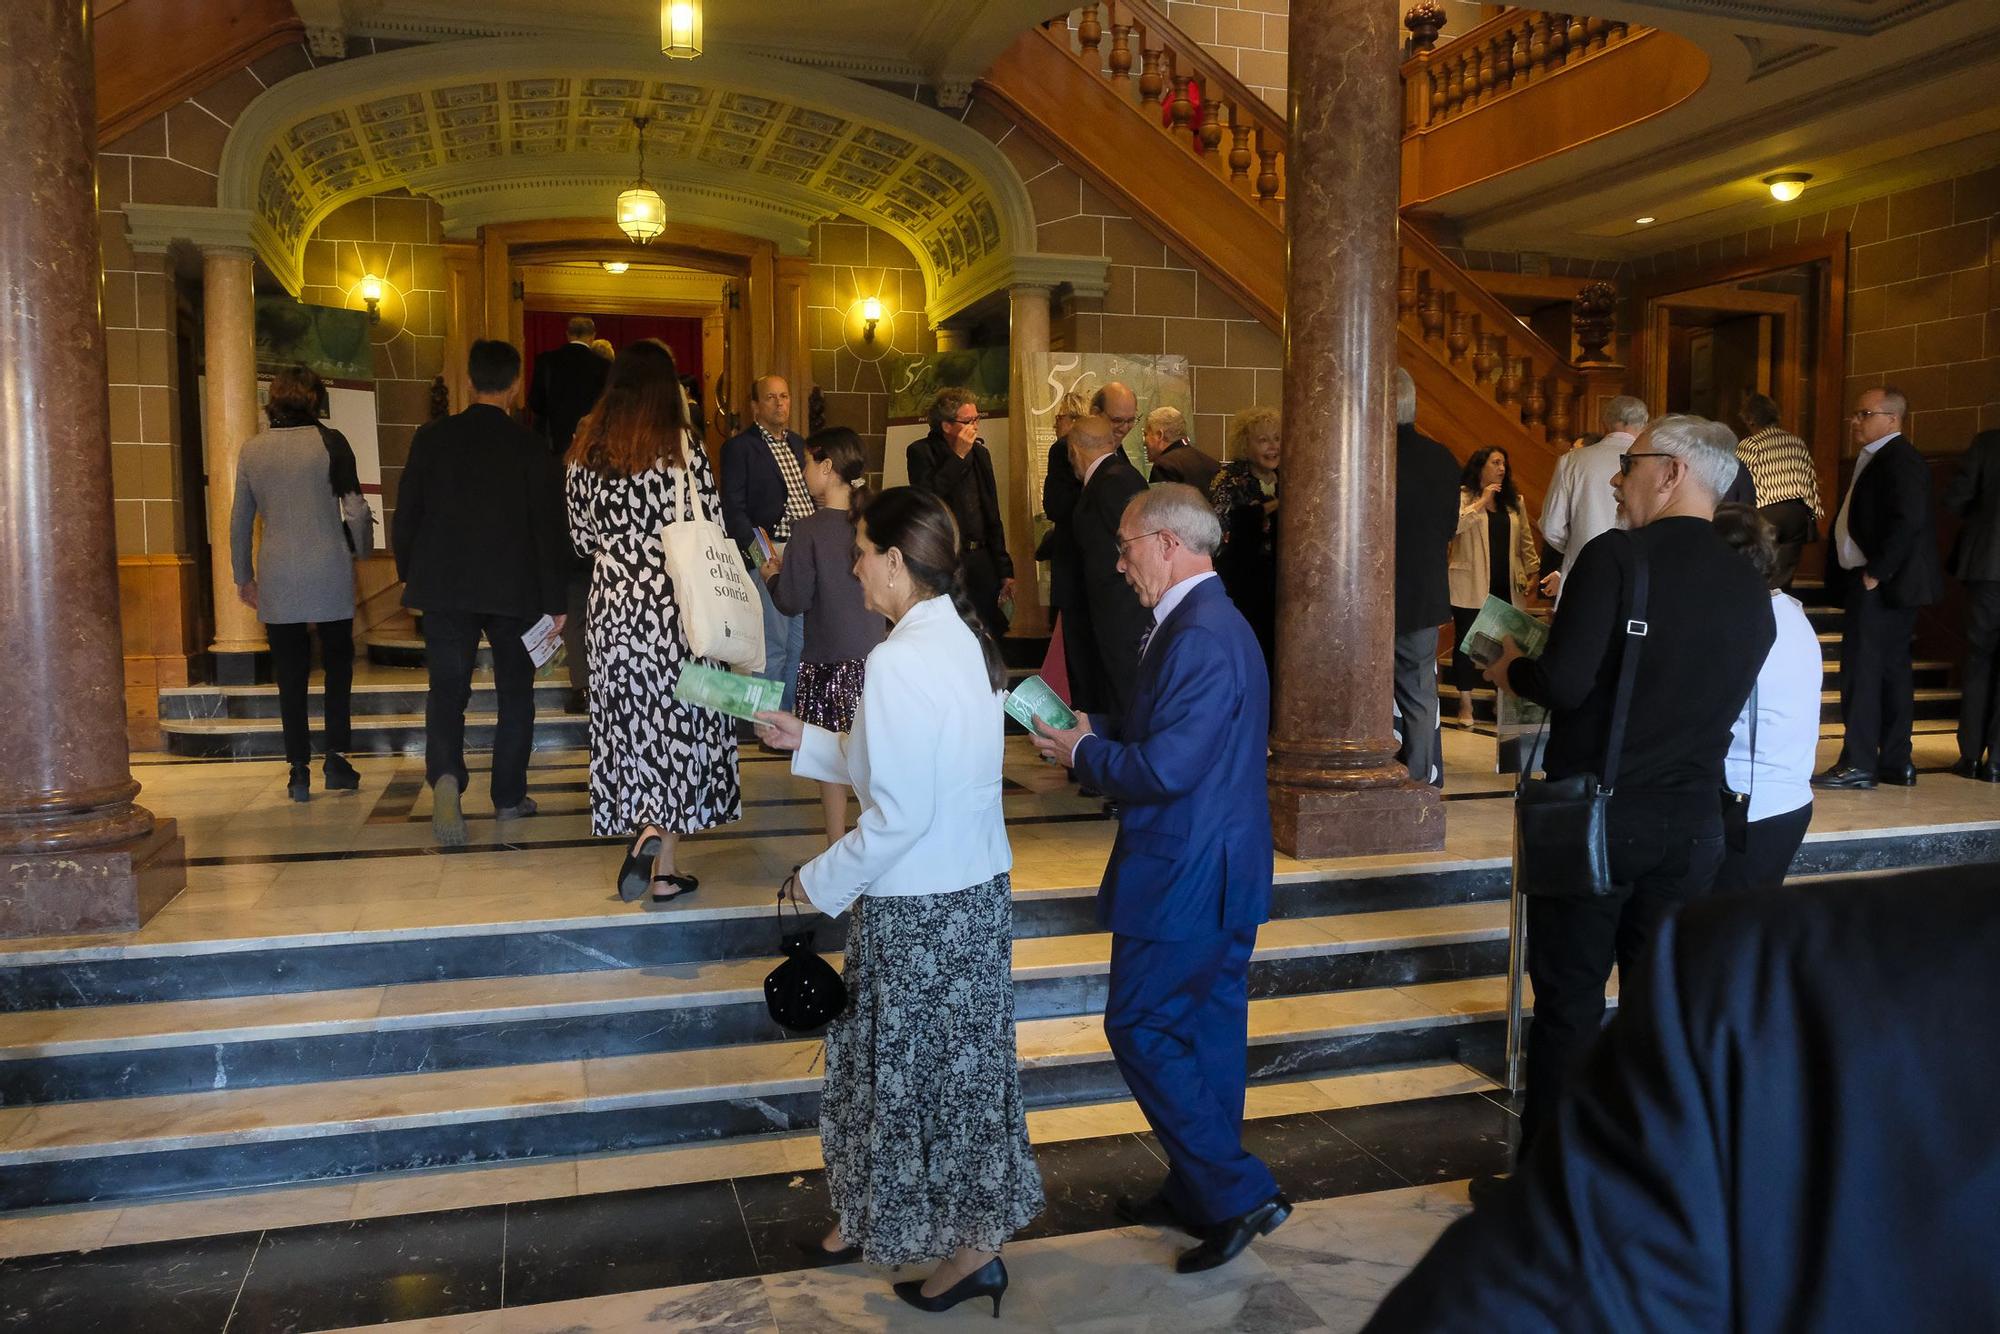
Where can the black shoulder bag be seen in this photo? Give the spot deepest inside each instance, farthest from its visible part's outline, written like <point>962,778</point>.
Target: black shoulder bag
<point>804,993</point>
<point>342,473</point>
<point>1561,826</point>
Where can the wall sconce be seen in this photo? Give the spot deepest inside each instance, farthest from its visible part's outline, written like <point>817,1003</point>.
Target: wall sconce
<point>371,296</point>
<point>680,29</point>
<point>871,315</point>
<point>1787,185</point>
<point>614,265</point>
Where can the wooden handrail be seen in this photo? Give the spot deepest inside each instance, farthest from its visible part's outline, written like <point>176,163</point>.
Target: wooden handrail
<point>1502,55</point>
<point>1488,305</point>
<point>1217,81</point>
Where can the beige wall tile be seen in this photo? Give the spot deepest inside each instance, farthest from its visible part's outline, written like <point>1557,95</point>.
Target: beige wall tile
<point>1920,209</point>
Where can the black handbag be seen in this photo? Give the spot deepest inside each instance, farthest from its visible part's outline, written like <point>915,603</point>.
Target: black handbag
<point>1561,826</point>
<point>1736,805</point>
<point>804,993</point>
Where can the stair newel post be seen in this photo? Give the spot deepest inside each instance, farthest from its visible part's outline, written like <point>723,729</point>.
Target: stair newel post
<point>1508,389</point>
<point>1430,312</point>
<point>1409,285</point>
<point>1536,402</point>
<point>1267,171</point>
<point>1090,35</point>
<point>1151,80</point>
<point>1121,50</point>
<point>1240,156</point>
<point>1459,339</point>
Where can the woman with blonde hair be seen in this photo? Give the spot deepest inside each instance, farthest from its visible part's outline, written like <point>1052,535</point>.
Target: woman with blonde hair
<point>1244,495</point>
<point>658,768</point>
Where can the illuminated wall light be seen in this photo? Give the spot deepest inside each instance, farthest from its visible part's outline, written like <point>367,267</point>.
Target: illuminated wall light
<point>871,315</point>
<point>614,265</point>
<point>1787,185</point>
<point>1646,221</point>
<point>370,291</point>
<point>680,28</point>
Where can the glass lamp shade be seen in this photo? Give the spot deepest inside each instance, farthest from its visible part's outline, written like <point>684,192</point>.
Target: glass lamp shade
<point>371,289</point>
<point>680,28</point>
<point>642,214</point>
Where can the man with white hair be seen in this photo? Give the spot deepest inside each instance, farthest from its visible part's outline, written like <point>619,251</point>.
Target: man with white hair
<point>1699,640</point>
<point>1189,880</point>
<point>1580,504</point>
<point>1173,455</point>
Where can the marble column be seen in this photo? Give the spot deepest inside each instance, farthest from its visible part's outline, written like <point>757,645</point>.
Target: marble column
<point>229,419</point>
<point>1336,788</point>
<point>1028,349</point>
<point>76,854</point>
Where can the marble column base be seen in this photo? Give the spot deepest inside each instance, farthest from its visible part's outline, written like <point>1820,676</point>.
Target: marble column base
<point>243,669</point>
<point>1312,822</point>
<point>113,888</point>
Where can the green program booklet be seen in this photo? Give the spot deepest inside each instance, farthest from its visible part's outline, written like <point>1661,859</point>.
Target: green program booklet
<point>727,692</point>
<point>1496,621</point>
<point>1034,699</point>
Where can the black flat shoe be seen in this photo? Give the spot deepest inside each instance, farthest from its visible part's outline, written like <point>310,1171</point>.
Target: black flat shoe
<point>814,1249</point>
<point>1903,777</point>
<point>340,776</point>
<point>637,872</point>
<point>1226,1241</point>
<point>1967,768</point>
<point>989,1280</point>
<point>299,786</point>
<point>1845,776</point>
<point>683,884</point>
<point>1152,1211</point>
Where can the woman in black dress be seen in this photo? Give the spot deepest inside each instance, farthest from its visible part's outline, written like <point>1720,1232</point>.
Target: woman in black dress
<point>1493,553</point>
<point>1245,497</point>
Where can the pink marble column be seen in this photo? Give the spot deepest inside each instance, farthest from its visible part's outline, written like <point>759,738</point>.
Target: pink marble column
<point>75,853</point>
<point>1336,789</point>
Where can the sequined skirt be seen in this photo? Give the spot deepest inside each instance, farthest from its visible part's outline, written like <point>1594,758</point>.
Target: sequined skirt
<point>828,692</point>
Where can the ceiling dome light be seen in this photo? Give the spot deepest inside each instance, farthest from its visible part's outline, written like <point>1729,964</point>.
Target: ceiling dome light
<point>1787,185</point>
<point>642,214</point>
<point>1647,221</point>
<point>614,265</point>
<point>680,28</point>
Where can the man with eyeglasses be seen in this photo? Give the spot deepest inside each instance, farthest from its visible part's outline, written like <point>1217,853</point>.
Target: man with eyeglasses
<point>1118,405</point>
<point>953,464</point>
<point>1885,553</point>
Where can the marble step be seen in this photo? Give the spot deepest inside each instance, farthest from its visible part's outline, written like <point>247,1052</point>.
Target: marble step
<point>259,1041</point>
<point>370,699</point>
<point>374,734</point>
<point>1930,701</point>
<point>416,945</point>
<point>134,1148</point>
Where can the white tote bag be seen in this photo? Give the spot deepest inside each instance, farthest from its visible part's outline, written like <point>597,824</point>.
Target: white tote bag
<point>720,610</point>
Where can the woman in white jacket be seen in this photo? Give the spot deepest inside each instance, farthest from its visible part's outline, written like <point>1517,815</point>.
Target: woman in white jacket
<point>921,1121</point>
<point>1493,553</point>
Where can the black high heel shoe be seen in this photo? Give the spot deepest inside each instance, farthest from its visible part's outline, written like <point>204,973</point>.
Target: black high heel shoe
<point>298,786</point>
<point>815,1248</point>
<point>637,872</point>
<point>989,1280</point>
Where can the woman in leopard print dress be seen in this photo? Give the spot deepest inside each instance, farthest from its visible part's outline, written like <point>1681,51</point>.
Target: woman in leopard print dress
<point>658,768</point>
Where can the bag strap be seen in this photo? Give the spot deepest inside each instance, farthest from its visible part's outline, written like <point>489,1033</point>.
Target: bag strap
<point>1636,582</point>
<point>1753,744</point>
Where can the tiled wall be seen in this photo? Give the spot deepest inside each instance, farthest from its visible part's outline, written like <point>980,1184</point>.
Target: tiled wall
<point>1157,303</point>
<point>852,261</point>
<point>1923,297</point>
<point>398,239</point>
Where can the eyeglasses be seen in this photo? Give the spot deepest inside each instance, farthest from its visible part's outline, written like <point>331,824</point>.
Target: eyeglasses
<point>1863,414</point>
<point>1125,542</point>
<point>973,420</point>
<point>1625,461</point>
<point>1122,423</point>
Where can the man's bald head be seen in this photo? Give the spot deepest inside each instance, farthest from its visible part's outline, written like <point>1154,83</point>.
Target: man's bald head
<point>1093,436</point>
<point>1118,405</point>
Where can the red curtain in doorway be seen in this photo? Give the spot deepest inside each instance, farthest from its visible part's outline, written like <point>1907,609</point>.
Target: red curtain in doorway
<point>545,330</point>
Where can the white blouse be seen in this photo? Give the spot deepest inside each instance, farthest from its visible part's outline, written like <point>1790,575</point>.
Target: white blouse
<point>924,759</point>
<point>1788,688</point>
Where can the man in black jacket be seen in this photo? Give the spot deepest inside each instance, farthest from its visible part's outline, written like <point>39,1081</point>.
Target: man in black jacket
<point>1788,1126</point>
<point>1173,456</point>
<point>568,381</point>
<point>1426,520</point>
<point>1061,489</point>
<point>1974,496</point>
<point>1885,547</point>
<point>482,546</point>
<point>764,487</point>
<point>1103,627</point>
<point>952,464</point>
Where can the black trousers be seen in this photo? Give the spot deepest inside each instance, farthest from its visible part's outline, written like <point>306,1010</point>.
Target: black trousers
<point>982,585</point>
<point>1793,521</point>
<point>1464,672</point>
<point>1665,850</point>
<point>291,664</point>
<point>451,649</point>
<point>1768,848</point>
<point>574,655</point>
<point>1877,683</point>
<point>1979,710</point>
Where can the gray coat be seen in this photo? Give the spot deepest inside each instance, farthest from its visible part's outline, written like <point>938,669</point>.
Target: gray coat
<point>1974,496</point>
<point>302,566</point>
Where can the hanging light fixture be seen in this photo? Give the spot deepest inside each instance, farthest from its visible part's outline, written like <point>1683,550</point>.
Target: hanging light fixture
<point>642,214</point>
<point>680,28</point>
<point>614,265</point>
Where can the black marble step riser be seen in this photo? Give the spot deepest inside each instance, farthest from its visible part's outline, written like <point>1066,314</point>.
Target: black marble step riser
<point>328,1158</point>
<point>399,655</point>
<point>369,739</point>
<point>448,1046</point>
<point>549,699</point>
<point>644,943</point>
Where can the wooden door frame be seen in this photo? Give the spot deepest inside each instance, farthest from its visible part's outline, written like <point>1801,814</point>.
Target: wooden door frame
<point>1780,304</point>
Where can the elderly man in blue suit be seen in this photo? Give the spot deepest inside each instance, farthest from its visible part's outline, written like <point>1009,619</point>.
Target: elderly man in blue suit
<point>1189,880</point>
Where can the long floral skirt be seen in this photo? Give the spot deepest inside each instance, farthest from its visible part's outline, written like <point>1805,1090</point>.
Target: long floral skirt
<point>921,1123</point>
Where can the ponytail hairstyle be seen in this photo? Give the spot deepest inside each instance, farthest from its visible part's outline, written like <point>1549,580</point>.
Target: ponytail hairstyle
<point>917,524</point>
<point>842,448</point>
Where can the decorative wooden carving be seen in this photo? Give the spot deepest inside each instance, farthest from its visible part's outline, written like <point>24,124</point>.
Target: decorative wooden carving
<point>1409,283</point>
<point>1210,133</point>
<point>1430,311</point>
<point>1593,318</point>
<point>1267,169</point>
<point>1487,360</point>
<point>1508,390</point>
<point>1240,156</point>
<point>1459,339</point>
<point>1560,401</point>
<point>1089,33</point>
<point>1183,106</point>
<point>1537,400</point>
<point>1121,53</point>
<point>1425,21</point>
<point>1152,80</point>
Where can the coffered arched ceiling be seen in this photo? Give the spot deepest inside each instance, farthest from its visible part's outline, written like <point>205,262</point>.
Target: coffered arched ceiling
<point>510,129</point>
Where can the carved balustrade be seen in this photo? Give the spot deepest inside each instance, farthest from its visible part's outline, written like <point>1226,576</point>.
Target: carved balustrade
<point>1507,52</point>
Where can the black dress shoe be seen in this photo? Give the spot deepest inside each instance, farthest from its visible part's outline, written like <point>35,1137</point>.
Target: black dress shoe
<point>1153,1211</point>
<point>1845,776</point>
<point>340,776</point>
<point>1967,768</point>
<point>1903,777</point>
<point>298,784</point>
<point>989,1280</point>
<point>1226,1241</point>
<point>815,1249</point>
<point>1483,1190</point>
<point>1989,772</point>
